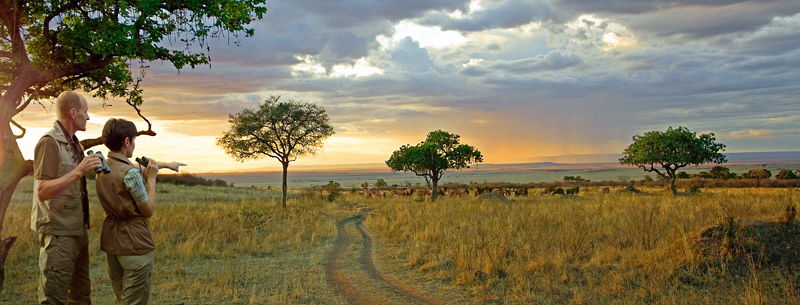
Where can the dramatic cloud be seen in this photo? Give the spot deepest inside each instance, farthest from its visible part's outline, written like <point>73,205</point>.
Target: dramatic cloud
<point>519,79</point>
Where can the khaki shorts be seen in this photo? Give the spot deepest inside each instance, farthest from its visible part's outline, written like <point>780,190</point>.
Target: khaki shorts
<point>64,269</point>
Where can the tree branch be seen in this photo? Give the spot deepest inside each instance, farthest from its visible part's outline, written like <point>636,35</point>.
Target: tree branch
<point>46,31</point>
<point>20,128</point>
<point>89,143</point>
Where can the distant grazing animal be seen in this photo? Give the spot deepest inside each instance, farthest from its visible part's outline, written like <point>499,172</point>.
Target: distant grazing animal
<point>521,191</point>
<point>572,191</point>
<point>455,192</point>
<point>558,191</point>
<point>402,192</point>
<point>604,190</point>
<point>548,191</point>
<point>374,193</point>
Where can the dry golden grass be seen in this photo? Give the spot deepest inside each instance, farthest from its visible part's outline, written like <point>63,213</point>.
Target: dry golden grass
<point>235,246</point>
<point>593,249</point>
<point>214,245</point>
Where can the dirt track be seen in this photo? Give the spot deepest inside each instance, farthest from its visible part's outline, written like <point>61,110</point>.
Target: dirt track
<point>356,295</point>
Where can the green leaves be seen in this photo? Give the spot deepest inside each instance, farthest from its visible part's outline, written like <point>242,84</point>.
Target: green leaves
<point>281,130</point>
<point>71,44</point>
<point>672,150</point>
<point>440,151</point>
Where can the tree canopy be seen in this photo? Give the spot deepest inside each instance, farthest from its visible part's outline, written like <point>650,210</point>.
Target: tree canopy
<point>665,152</point>
<point>281,130</point>
<point>439,152</point>
<point>758,174</point>
<point>50,46</point>
<point>786,174</point>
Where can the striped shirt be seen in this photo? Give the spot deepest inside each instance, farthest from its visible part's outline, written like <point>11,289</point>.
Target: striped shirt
<point>134,182</point>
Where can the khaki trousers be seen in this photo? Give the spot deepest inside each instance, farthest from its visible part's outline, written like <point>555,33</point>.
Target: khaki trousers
<point>64,269</point>
<point>131,277</point>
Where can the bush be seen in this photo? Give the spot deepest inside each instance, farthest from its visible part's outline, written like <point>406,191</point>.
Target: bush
<point>786,175</point>
<point>190,180</point>
<point>334,190</point>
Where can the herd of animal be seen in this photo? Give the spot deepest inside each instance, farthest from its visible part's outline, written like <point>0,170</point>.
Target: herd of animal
<point>516,192</point>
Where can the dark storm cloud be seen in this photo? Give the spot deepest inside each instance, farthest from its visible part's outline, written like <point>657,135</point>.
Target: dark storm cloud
<point>497,15</point>
<point>352,13</point>
<point>634,6</point>
<point>697,22</point>
<point>336,31</point>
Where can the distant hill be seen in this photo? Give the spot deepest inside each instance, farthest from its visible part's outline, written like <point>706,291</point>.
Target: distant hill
<point>588,161</point>
<point>738,157</point>
<point>759,157</point>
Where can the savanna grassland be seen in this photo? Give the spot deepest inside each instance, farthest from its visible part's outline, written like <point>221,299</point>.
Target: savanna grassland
<point>223,245</point>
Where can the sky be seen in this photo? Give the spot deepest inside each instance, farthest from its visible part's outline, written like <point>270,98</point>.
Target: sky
<point>520,80</point>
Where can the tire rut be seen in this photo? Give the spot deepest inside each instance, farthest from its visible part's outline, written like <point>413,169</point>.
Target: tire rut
<point>354,295</point>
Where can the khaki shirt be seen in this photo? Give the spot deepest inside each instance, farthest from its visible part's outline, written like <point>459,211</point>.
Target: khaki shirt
<point>67,213</point>
<point>125,230</point>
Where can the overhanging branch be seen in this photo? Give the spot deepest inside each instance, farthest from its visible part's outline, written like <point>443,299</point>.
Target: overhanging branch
<point>20,128</point>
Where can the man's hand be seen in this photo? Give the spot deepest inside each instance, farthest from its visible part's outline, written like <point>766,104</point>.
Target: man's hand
<point>47,189</point>
<point>89,164</point>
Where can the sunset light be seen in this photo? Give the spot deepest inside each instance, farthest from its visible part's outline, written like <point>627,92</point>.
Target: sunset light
<point>521,81</point>
<point>352,152</point>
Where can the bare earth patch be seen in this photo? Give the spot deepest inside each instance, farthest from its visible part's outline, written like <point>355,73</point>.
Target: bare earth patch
<point>358,294</point>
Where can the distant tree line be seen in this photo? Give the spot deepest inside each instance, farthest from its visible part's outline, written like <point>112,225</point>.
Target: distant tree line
<point>724,173</point>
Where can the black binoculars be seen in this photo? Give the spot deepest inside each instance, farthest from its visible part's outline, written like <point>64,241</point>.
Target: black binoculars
<point>103,169</point>
<point>143,161</point>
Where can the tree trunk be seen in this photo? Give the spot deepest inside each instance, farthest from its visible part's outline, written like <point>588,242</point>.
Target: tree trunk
<point>12,168</point>
<point>5,246</point>
<point>434,190</point>
<point>285,170</point>
<point>672,186</point>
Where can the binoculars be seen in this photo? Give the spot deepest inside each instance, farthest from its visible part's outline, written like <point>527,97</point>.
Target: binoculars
<point>103,169</point>
<point>144,161</point>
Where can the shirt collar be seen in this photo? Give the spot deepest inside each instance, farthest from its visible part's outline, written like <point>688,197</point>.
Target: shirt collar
<point>71,140</point>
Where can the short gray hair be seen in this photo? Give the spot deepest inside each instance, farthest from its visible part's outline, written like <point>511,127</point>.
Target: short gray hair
<point>66,101</point>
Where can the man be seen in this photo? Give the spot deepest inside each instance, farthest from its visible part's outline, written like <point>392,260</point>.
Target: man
<point>60,211</point>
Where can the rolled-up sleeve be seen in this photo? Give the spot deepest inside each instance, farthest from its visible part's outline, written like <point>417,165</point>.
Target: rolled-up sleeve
<point>135,185</point>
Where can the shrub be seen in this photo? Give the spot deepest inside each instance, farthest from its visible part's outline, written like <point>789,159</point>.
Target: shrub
<point>333,190</point>
<point>786,175</point>
<point>190,180</point>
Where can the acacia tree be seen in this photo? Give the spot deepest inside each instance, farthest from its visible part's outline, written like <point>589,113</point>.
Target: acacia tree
<point>758,174</point>
<point>47,47</point>
<point>439,152</point>
<point>280,130</point>
<point>665,152</point>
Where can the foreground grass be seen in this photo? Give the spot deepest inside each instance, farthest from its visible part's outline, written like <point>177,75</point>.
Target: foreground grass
<point>214,245</point>
<point>594,249</point>
<point>220,245</point>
